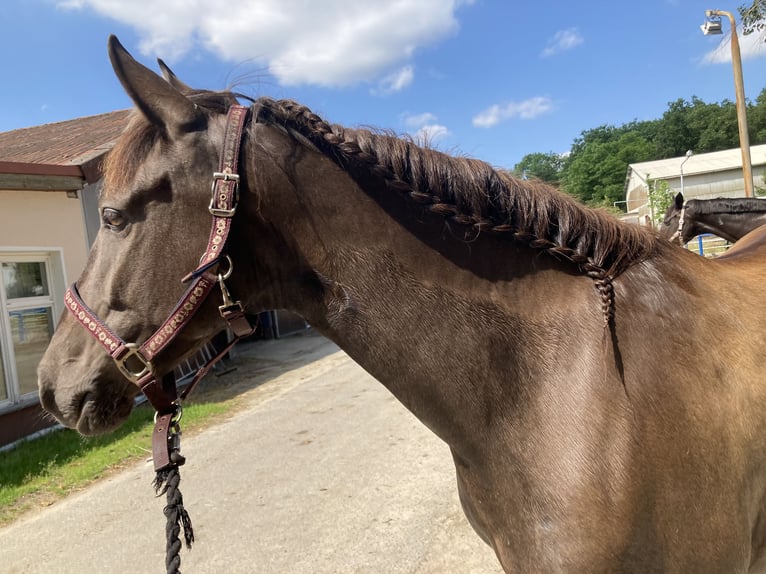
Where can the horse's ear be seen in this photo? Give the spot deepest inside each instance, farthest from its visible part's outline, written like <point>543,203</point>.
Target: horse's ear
<point>172,79</point>
<point>161,102</point>
<point>679,200</point>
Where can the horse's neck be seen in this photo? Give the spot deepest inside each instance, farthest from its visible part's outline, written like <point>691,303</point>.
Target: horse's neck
<point>729,226</point>
<point>416,306</point>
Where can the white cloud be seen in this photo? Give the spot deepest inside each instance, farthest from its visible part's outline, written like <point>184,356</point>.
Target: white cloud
<point>562,41</point>
<point>416,121</point>
<point>396,81</point>
<point>329,43</point>
<point>525,110</point>
<point>425,128</point>
<point>431,133</point>
<point>750,46</point>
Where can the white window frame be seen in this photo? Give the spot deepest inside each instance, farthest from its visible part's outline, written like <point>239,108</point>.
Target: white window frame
<point>53,260</point>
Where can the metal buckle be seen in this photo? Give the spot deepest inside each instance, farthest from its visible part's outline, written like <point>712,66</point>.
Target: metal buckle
<point>224,176</point>
<point>134,351</point>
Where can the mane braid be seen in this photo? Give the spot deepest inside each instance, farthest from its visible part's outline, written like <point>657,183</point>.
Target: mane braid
<point>473,194</point>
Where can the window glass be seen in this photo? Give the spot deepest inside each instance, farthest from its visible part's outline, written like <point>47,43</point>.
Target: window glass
<point>26,321</point>
<point>31,331</point>
<point>25,279</point>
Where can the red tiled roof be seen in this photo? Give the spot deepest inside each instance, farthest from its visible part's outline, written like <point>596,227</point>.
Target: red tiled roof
<point>69,143</point>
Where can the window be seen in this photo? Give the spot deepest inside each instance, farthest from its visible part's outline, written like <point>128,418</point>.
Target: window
<point>26,321</point>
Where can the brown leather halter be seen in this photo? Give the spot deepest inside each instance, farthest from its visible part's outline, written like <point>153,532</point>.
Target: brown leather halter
<point>134,361</point>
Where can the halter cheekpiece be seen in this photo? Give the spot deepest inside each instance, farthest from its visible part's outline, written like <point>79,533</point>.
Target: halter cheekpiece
<point>678,235</point>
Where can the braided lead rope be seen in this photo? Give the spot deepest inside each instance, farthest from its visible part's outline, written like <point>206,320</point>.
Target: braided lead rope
<point>166,481</point>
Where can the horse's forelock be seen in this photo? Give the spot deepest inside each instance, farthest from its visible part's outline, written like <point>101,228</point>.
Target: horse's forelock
<point>133,146</point>
<point>128,153</point>
<point>471,192</point>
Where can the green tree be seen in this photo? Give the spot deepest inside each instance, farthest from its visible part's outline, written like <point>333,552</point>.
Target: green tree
<point>544,166</point>
<point>660,198</point>
<point>753,17</point>
<point>595,168</point>
<point>756,119</point>
<point>697,125</point>
<point>760,190</point>
<point>675,133</point>
<point>595,171</point>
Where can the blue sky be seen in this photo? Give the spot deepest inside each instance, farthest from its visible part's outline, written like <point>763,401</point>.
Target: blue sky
<point>490,79</point>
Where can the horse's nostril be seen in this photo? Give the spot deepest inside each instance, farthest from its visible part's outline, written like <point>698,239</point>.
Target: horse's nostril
<point>48,400</point>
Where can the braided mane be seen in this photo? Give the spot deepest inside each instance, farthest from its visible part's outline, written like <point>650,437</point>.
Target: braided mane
<point>473,194</point>
<point>465,191</point>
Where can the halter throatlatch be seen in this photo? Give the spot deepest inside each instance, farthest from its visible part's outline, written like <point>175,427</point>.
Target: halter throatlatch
<point>135,361</point>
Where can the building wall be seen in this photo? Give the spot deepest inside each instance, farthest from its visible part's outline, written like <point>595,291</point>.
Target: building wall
<point>34,223</point>
<point>728,183</point>
<point>45,219</point>
<point>90,194</point>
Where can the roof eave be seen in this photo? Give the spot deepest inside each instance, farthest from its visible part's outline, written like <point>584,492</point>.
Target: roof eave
<point>40,177</point>
<point>22,168</point>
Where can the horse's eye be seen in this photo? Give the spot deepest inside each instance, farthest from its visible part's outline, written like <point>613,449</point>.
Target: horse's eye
<point>113,218</point>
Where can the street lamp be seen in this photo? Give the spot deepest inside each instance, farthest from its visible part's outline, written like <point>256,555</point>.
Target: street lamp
<point>713,26</point>
<point>688,155</point>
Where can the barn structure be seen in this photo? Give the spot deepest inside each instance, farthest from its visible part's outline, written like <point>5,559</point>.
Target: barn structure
<point>699,176</point>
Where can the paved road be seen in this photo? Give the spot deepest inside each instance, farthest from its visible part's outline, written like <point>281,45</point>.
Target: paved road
<point>322,472</point>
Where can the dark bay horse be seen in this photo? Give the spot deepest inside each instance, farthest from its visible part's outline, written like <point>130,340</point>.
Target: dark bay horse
<point>729,218</point>
<point>602,391</point>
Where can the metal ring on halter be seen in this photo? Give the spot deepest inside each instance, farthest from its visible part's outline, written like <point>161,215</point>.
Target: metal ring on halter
<point>204,268</point>
<point>229,270</point>
<point>179,412</point>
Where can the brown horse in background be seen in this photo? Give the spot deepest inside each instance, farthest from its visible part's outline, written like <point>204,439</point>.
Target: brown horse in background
<point>602,391</point>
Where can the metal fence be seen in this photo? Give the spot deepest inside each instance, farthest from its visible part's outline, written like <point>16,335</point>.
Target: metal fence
<point>708,245</point>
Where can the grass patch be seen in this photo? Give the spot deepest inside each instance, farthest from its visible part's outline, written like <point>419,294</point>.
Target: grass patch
<point>41,471</point>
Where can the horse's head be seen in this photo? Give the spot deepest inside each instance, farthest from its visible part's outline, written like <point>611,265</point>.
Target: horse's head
<point>673,226</point>
<point>155,224</point>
